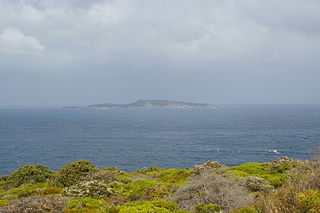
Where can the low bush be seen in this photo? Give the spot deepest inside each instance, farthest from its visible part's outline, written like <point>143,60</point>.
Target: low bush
<point>30,174</point>
<point>113,169</point>
<point>36,204</point>
<point>175,176</point>
<point>4,202</point>
<point>256,184</point>
<point>207,166</point>
<point>299,194</point>
<point>154,206</point>
<point>247,209</point>
<point>25,190</point>
<point>105,176</point>
<point>4,178</point>
<point>149,170</point>
<point>260,170</point>
<point>309,201</point>
<point>92,189</point>
<point>71,173</point>
<point>81,205</point>
<point>207,208</point>
<point>227,192</point>
<point>51,191</point>
<point>142,189</point>
<point>283,164</point>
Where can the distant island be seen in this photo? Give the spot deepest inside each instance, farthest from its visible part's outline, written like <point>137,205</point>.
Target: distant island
<point>148,104</point>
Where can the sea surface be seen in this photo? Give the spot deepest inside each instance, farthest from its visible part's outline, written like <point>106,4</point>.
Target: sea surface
<point>133,139</point>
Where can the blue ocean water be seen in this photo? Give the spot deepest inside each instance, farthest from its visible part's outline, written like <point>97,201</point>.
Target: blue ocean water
<point>171,138</point>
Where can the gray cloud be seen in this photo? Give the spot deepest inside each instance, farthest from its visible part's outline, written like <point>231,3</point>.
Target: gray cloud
<point>14,41</point>
<point>213,51</point>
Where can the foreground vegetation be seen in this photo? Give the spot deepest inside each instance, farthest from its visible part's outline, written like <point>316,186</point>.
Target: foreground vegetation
<point>284,185</point>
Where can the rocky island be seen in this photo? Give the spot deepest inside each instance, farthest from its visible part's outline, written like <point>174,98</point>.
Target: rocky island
<point>145,104</point>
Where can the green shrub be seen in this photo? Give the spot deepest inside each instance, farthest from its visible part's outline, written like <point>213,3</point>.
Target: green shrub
<point>25,190</point>
<point>93,189</point>
<point>182,211</point>
<point>139,189</point>
<point>174,176</point>
<point>4,202</point>
<point>30,174</point>
<point>105,176</point>
<point>71,173</point>
<point>125,177</point>
<point>4,178</point>
<point>154,206</point>
<point>260,170</point>
<point>256,184</point>
<point>5,184</point>
<point>207,208</point>
<point>113,169</point>
<point>51,191</point>
<point>86,205</point>
<point>165,204</point>
<point>309,201</point>
<point>284,164</point>
<point>146,171</point>
<point>36,204</point>
<point>247,209</point>
<point>208,187</point>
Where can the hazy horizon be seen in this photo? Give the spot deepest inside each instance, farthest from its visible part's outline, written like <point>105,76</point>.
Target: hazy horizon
<point>61,53</point>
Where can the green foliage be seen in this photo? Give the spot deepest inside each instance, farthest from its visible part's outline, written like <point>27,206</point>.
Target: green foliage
<point>142,188</point>
<point>154,206</point>
<point>285,167</point>
<point>4,202</point>
<point>182,211</point>
<point>113,169</point>
<point>148,170</point>
<point>173,176</point>
<point>3,184</point>
<point>81,205</point>
<point>247,209</point>
<point>71,173</point>
<point>105,176</point>
<point>30,174</point>
<point>25,190</point>
<point>209,208</point>
<point>261,170</point>
<point>51,191</point>
<point>165,204</point>
<point>309,201</point>
<point>4,178</point>
<point>125,177</point>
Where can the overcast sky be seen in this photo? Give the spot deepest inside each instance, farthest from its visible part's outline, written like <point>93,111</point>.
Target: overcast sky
<point>214,51</point>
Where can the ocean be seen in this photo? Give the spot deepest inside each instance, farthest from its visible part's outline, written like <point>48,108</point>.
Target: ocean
<point>132,139</point>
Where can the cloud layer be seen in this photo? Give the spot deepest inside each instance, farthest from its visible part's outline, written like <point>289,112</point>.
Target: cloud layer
<point>14,41</point>
<point>229,51</point>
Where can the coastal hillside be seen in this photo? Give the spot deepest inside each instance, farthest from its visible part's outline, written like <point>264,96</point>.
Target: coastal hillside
<point>150,104</point>
<point>284,185</point>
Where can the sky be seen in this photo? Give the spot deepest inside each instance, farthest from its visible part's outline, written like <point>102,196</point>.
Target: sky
<point>77,52</point>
